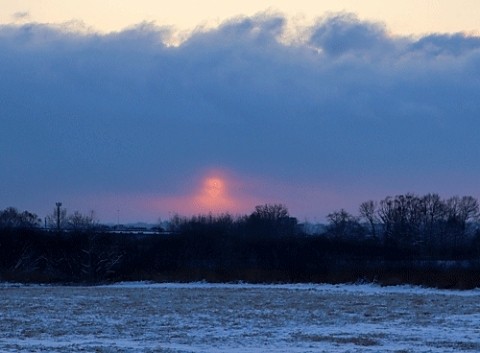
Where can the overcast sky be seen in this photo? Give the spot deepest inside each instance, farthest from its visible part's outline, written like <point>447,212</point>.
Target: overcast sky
<point>338,112</point>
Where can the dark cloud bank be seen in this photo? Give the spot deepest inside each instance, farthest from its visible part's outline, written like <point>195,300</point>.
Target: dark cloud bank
<point>350,107</point>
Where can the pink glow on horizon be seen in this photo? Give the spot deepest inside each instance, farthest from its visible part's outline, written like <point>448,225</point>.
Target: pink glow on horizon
<point>217,191</point>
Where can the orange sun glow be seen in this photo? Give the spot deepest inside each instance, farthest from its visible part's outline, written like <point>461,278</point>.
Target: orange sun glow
<point>214,187</point>
<point>214,196</point>
<point>215,192</point>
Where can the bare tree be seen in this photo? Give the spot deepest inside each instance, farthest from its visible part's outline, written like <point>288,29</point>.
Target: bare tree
<point>469,209</point>
<point>272,212</point>
<point>401,218</point>
<point>460,211</point>
<point>272,219</point>
<point>432,213</point>
<point>78,221</point>
<point>367,211</point>
<point>12,218</point>
<point>386,213</point>
<point>342,224</point>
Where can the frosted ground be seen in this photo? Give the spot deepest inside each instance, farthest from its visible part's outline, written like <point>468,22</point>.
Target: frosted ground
<point>142,317</point>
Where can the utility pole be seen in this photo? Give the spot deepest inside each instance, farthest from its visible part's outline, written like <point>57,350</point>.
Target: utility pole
<point>58,204</point>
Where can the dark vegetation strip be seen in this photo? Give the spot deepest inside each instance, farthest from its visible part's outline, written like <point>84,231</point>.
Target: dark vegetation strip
<point>402,241</point>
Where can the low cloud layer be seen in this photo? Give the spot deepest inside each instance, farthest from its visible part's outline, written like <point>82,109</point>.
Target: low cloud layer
<point>348,113</point>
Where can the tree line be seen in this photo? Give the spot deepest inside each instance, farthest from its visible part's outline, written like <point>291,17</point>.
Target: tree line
<point>427,223</point>
<point>401,239</point>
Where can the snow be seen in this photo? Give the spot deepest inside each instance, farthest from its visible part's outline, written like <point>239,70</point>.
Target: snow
<point>367,288</point>
<point>238,317</point>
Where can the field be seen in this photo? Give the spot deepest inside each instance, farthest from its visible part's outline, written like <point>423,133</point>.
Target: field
<point>199,317</point>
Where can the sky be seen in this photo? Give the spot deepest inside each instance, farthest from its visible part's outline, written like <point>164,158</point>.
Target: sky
<point>143,109</point>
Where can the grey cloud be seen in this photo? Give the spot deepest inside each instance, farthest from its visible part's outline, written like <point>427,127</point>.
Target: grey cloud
<point>344,33</point>
<point>84,112</point>
<point>448,44</point>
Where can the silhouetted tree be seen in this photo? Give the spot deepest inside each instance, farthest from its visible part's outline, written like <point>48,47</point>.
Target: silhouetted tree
<point>175,223</point>
<point>401,218</point>
<point>78,221</point>
<point>368,211</point>
<point>12,218</point>
<point>271,219</point>
<point>433,214</point>
<point>459,212</point>
<point>342,224</point>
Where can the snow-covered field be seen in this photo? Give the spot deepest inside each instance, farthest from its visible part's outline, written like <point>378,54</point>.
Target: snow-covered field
<point>198,317</point>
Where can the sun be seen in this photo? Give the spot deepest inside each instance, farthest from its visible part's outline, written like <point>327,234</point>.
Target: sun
<point>214,195</point>
<point>214,187</point>
<point>214,191</point>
